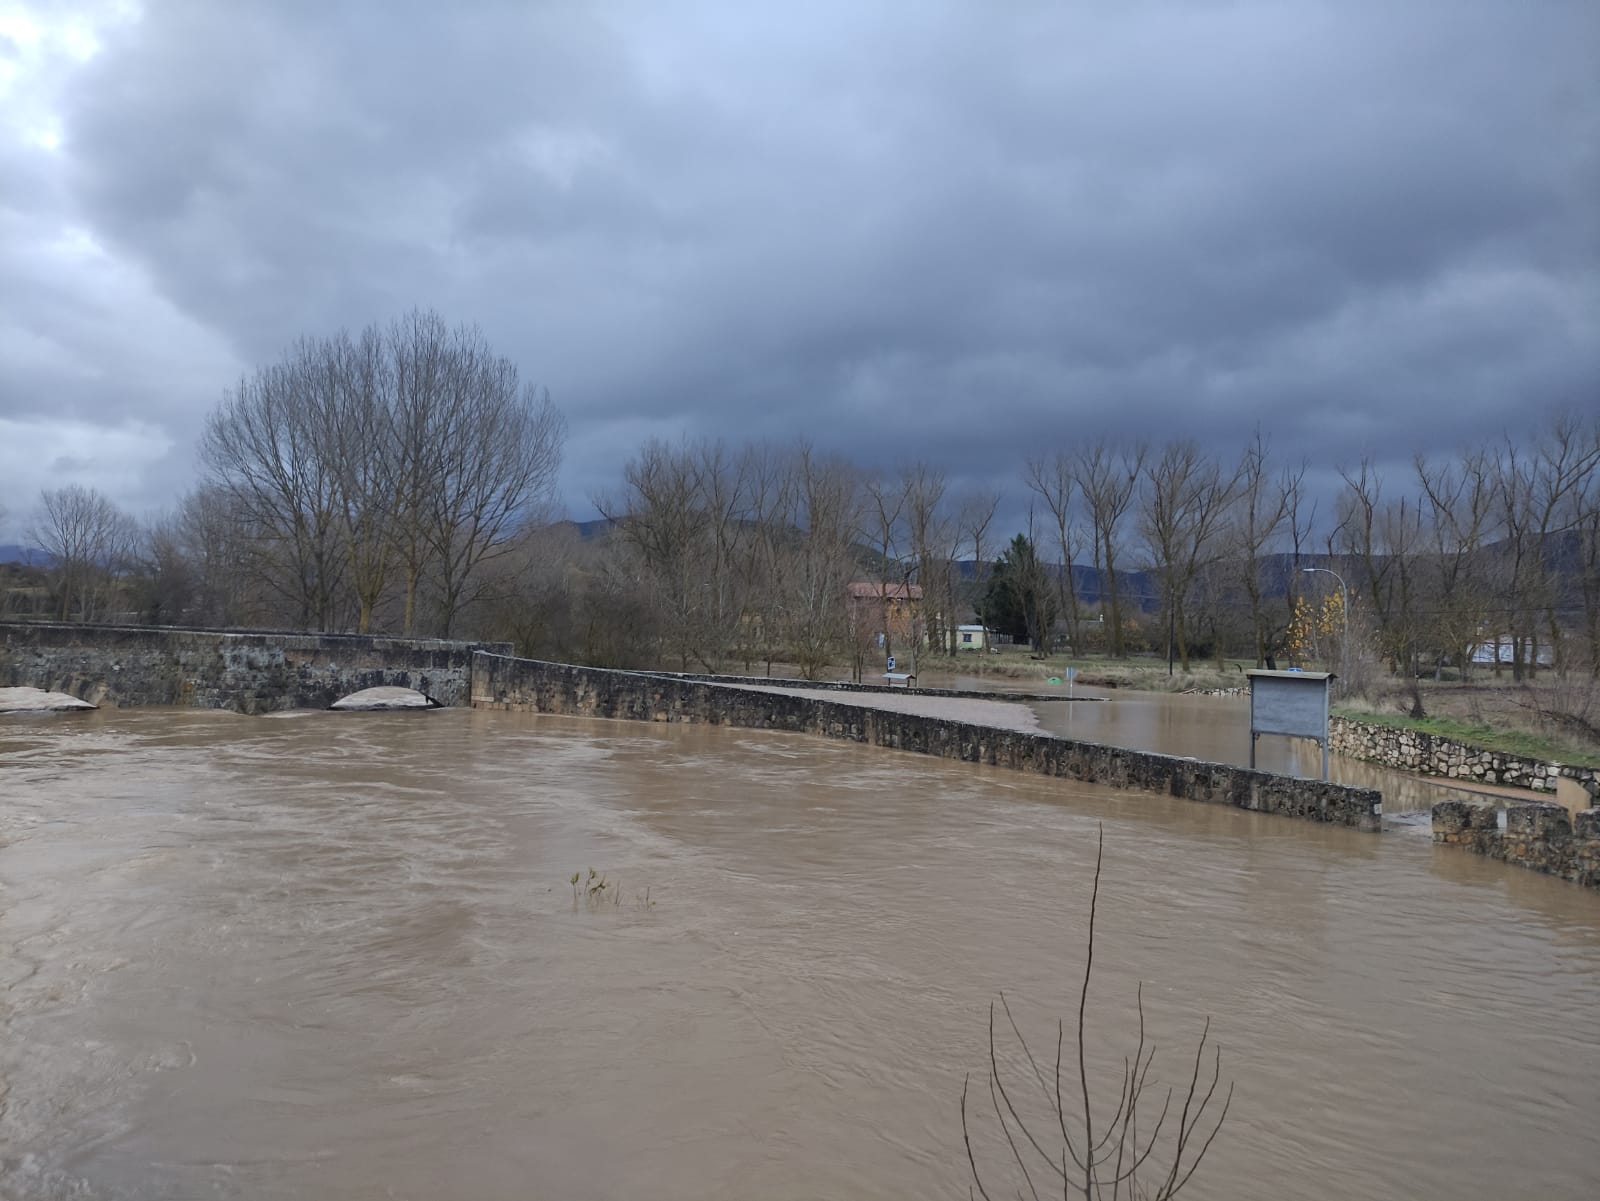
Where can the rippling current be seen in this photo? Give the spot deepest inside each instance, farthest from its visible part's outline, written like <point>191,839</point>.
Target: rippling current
<point>337,955</point>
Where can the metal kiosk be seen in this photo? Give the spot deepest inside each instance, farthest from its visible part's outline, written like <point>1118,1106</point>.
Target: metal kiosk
<point>1292,703</point>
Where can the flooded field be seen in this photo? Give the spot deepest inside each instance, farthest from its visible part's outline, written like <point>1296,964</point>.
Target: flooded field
<point>1217,728</point>
<point>337,955</point>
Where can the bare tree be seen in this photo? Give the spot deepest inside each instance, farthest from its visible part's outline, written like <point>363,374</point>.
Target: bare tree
<point>215,542</point>
<point>1568,455</point>
<point>533,597</point>
<point>90,543</point>
<point>616,614</point>
<point>1052,481</point>
<point>419,352</point>
<point>1264,505</point>
<point>770,502</point>
<point>497,462</point>
<point>1382,540</point>
<point>1538,494</point>
<point>1400,530</point>
<point>1298,525</point>
<point>826,500</point>
<point>930,539</point>
<point>683,510</point>
<point>1357,538</point>
<point>657,516</point>
<point>1586,526</point>
<point>975,516</point>
<point>1182,510</point>
<point>1458,517</point>
<point>417,447</point>
<point>362,449</point>
<point>467,452</point>
<point>165,586</point>
<point>883,526</point>
<point>265,447</point>
<point>1107,478</point>
<point>722,486</point>
<point>1069,1141</point>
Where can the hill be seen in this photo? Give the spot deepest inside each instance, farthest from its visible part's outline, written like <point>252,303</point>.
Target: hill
<point>30,556</point>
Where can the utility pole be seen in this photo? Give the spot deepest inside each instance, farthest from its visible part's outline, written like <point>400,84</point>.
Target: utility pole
<point>1172,631</point>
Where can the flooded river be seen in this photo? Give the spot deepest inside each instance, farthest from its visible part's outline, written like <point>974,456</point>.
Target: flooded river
<point>337,955</point>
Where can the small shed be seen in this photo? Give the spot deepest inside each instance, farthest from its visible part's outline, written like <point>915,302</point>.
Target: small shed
<point>971,638</point>
<point>1291,703</point>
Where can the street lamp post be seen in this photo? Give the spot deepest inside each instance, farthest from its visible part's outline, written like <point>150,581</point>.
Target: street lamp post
<point>1344,637</point>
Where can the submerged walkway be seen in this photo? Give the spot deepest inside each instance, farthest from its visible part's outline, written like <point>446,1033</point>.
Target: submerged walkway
<point>1000,714</point>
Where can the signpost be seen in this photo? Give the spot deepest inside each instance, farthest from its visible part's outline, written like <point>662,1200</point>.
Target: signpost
<point>1291,703</point>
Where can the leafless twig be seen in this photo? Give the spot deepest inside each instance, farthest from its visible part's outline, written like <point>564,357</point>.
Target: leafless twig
<point>1105,1158</point>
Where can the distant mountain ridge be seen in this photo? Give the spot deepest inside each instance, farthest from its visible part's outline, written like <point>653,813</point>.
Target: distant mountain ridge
<point>30,556</point>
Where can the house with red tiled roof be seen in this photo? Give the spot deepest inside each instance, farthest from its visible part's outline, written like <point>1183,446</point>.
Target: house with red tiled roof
<point>893,610</point>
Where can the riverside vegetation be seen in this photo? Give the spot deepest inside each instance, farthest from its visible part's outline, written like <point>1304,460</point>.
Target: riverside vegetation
<point>595,891</point>
<point>401,480</point>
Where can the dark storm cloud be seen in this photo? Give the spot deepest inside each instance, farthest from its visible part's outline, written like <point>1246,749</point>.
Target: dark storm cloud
<point>961,232</point>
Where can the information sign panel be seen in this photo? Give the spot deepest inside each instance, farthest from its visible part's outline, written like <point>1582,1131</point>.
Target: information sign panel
<point>1291,703</point>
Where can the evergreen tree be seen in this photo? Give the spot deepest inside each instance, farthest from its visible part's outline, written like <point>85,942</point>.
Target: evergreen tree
<point>1019,600</point>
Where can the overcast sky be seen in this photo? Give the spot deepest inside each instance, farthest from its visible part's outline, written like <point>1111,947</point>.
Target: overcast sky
<point>959,231</point>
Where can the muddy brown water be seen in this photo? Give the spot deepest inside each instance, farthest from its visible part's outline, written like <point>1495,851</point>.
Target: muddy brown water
<point>336,955</point>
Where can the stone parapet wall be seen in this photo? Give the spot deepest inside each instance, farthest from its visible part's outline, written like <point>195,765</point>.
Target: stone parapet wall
<point>250,672</point>
<point>524,685</point>
<point>1540,835</point>
<point>1429,755</point>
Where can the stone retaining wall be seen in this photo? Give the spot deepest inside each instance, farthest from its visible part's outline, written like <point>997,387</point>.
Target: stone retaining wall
<point>525,685</point>
<point>256,672</point>
<point>1540,835</point>
<point>1430,755</point>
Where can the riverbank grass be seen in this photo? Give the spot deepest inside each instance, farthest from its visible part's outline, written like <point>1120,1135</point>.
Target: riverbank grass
<point>1143,673</point>
<point>1523,743</point>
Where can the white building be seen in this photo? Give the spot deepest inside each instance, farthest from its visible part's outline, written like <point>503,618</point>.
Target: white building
<point>1499,651</point>
<point>971,638</point>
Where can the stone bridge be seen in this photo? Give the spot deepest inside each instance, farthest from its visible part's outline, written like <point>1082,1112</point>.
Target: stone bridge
<point>249,672</point>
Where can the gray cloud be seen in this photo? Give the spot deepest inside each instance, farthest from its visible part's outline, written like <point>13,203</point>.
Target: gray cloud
<point>962,232</point>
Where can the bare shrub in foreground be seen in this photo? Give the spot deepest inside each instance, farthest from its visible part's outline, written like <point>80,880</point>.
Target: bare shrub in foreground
<point>1066,1144</point>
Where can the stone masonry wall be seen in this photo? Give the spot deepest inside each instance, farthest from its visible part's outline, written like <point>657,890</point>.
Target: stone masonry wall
<point>1540,835</point>
<point>1428,755</point>
<point>525,685</point>
<point>128,666</point>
